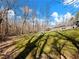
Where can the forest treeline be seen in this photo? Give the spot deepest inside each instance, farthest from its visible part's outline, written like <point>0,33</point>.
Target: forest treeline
<point>26,24</point>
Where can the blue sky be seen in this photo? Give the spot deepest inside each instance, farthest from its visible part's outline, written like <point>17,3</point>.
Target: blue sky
<point>49,8</point>
<point>51,5</point>
<point>41,5</point>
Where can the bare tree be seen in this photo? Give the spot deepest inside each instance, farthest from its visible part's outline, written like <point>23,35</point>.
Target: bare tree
<point>26,13</point>
<point>33,19</point>
<point>47,20</point>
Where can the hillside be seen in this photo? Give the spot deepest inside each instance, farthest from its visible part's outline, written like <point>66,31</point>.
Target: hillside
<point>47,45</point>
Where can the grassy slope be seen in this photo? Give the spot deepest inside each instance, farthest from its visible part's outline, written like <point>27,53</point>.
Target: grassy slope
<point>55,44</point>
<point>56,41</point>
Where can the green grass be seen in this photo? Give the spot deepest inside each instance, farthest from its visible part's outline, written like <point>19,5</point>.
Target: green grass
<point>55,44</point>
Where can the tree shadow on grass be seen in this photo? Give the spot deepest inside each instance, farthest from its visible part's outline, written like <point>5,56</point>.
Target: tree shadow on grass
<point>35,53</point>
<point>59,48</point>
<point>74,42</point>
<point>43,46</point>
<point>28,48</point>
